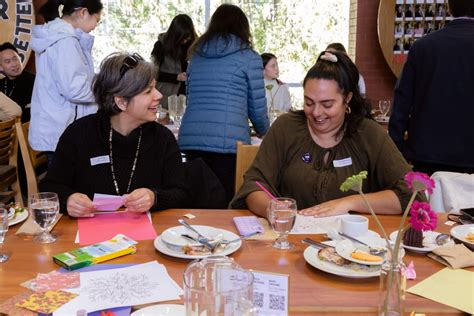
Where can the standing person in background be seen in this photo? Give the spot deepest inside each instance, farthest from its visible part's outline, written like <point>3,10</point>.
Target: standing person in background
<point>17,84</point>
<point>225,90</point>
<point>338,47</point>
<point>277,94</point>
<point>64,69</point>
<point>170,54</point>
<point>433,102</point>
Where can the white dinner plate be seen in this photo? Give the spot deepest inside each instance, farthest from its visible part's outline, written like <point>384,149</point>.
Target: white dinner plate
<point>161,247</point>
<point>429,242</point>
<point>349,271</point>
<point>20,217</point>
<point>161,310</point>
<point>173,238</point>
<point>346,247</point>
<point>460,232</point>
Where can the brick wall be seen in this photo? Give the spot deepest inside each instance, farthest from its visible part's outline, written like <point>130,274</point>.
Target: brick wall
<point>379,79</point>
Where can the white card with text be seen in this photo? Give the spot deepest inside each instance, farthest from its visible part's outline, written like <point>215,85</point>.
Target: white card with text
<point>270,293</point>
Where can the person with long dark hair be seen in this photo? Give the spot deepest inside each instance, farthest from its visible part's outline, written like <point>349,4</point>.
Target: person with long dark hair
<point>64,69</point>
<point>120,150</point>
<point>225,90</point>
<point>277,93</point>
<point>170,54</point>
<point>307,154</point>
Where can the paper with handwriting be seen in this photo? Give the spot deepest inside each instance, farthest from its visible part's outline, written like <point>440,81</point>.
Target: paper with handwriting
<point>139,284</point>
<point>316,225</point>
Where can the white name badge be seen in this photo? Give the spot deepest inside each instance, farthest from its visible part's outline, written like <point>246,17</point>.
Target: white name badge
<point>342,162</point>
<point>100,160</point>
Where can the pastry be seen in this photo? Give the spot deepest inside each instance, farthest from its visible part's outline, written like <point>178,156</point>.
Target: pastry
<point>413,238</point>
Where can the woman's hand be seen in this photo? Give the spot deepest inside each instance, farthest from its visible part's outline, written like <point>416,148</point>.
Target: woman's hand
<point>182,76</point>
<point>79,205</point>
<point>140,200</point>
<point>329,208</point>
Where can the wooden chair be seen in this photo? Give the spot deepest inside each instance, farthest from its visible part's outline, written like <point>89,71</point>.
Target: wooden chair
<point>33,160</point>
<point>9,182</point>
<point>245,156</point>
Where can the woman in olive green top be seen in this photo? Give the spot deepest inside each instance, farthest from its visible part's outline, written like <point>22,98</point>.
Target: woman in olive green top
<point>307,154</point>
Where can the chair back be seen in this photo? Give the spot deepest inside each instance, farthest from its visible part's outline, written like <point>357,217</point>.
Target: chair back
<point>245,156</point>
<point>9,184</point>
<point>452,192</point>
<point>32,159</point>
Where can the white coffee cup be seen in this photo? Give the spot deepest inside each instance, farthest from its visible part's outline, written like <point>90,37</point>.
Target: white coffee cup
<point>354,225</point>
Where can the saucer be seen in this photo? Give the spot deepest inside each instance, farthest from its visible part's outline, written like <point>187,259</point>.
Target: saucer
<point>161,310</point>
<point>429,243</point>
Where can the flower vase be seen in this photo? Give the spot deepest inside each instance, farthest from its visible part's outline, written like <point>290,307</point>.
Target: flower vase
<point>392,287</point>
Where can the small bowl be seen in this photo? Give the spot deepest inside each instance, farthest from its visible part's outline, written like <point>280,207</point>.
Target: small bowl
<point>461,231</point>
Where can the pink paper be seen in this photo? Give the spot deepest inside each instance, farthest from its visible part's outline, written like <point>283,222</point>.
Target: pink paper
<point>106,202</point>
<point>56,281</point>
<point>410,272</point>
<point>96,229</point>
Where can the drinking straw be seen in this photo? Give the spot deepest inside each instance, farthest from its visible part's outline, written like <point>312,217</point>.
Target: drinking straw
<point>265,190</point>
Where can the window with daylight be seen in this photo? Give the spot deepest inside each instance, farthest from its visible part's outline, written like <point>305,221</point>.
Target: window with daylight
<point>295,31</point>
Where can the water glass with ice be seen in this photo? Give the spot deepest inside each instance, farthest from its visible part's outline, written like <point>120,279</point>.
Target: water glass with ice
<point>282,215</point>
<point>44,208</point>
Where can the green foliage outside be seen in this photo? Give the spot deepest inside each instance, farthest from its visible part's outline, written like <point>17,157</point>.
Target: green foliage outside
<point>295,31</point>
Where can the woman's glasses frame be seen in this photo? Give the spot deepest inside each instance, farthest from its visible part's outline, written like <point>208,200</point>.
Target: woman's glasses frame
<point>130,62</point>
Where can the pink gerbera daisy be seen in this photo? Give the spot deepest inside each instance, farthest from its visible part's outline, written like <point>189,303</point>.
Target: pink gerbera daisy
<point>418,181</point>
<point>422,217</point>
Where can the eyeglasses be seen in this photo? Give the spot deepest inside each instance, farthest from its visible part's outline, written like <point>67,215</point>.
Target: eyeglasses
<point>130,62</point>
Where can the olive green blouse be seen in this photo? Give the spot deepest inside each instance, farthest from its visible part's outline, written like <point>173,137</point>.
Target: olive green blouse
<point>289,163</point>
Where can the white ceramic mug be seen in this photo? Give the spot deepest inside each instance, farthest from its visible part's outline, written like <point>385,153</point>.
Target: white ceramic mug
<point>355,225</point>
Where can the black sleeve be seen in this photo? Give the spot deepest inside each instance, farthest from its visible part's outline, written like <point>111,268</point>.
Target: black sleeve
<point>60,175</point>
<point>173,191</point>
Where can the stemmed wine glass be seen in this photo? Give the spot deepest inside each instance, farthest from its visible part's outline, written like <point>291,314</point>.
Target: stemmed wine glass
<point>384,107</point>
<point>3,231</point>
<point>44,208</point>
<point>282,216</point>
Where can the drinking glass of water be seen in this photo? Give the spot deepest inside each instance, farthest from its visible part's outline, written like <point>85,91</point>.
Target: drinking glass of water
<point>282,215</point>
<point>3,231</point>
<point>44,208</point>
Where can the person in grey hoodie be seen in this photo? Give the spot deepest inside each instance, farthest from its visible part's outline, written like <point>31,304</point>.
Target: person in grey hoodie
<point>225,90</point>
<point>64,69</point>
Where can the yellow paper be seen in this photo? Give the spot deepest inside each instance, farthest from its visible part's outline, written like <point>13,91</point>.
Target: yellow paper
<point>454,288</point>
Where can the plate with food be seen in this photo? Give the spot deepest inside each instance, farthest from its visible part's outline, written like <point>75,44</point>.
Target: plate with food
<point>464,233</point>
<point>175,245</point>
<point>359,253</point>
<point>327,260</point>
<point>16,214</point>
<point>420,242</point>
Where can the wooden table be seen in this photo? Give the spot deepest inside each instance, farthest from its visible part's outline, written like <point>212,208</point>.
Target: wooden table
<point>311,291</point>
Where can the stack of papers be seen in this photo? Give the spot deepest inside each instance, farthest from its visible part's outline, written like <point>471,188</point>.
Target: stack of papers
<point>135,285</point>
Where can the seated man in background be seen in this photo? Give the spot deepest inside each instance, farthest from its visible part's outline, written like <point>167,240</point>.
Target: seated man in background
<point>8,108</point>
<point>17,84</point>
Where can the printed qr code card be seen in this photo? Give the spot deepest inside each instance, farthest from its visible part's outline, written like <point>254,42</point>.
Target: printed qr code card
<point>270,293</point>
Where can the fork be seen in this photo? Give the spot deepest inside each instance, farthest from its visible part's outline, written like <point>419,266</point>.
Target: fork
<point>315,243</point>
<point>201,238</point>
<point>372,250</point>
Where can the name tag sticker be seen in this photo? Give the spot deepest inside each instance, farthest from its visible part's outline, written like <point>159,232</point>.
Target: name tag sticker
<point>342,162</point>
<point>100,160</point>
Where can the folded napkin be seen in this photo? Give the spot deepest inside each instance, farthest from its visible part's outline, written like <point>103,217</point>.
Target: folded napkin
<point>456,257</point>
<point>268,234</point>
<point>31,228</point>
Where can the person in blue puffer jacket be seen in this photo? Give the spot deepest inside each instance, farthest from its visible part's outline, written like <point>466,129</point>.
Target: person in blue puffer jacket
<point>225,90</point>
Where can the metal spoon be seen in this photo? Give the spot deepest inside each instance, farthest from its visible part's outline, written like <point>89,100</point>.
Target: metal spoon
<point>372,250</point>
<point>201,238</point>
<point>442,239</point>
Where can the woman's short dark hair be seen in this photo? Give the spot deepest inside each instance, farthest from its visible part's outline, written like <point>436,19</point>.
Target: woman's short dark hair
<point>266,57</point>
<point>461,8</point>
<point>227,19</point>
<point>112,81</point>
<point>49,10</point>
<point>181,28</point>
<point>345,73</point>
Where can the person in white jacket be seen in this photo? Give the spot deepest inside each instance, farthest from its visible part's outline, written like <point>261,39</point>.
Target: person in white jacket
<point>64,69</point>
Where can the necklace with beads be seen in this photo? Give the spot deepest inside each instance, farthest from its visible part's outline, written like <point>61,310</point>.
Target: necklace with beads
<point>133,166</point>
